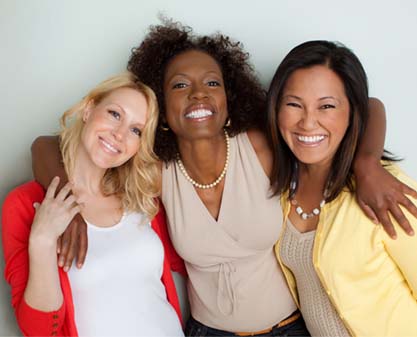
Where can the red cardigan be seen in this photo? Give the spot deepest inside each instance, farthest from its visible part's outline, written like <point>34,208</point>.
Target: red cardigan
<point>17,217</point>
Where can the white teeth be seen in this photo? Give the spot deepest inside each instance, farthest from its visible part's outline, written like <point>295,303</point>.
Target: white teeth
<point>108,146</point>
<point>200,113</point>
<point>310,139</point>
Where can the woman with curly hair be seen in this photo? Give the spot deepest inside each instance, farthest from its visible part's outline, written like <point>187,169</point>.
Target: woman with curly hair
<point>215,180</point>
<point>107,146</point>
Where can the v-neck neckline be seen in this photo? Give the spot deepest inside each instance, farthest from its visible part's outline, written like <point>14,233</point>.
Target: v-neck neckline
<point>225,189</point>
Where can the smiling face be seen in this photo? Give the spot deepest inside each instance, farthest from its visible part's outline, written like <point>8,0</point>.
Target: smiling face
<point>195,97</point>
<point>314,114</point>
<point>111,135</point>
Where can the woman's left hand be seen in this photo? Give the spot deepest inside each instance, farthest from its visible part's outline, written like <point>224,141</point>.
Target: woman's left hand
<point>380,193</point>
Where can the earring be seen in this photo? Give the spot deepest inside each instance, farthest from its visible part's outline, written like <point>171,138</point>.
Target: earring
<point>164,126</point>
<point>228,122</point>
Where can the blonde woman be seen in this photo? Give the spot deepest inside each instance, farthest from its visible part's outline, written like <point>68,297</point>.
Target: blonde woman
<point>106,142</point>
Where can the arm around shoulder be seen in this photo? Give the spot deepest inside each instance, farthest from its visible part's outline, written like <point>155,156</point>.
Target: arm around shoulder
<point>47,161</point>
<point>262,149</point>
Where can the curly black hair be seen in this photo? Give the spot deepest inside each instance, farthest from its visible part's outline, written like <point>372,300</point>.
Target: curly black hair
<point>246,100</point>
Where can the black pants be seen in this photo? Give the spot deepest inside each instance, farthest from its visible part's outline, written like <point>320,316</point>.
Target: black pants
<point>196,329</point>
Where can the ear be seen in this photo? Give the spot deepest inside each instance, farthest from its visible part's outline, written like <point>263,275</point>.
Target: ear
<point>87,111</point>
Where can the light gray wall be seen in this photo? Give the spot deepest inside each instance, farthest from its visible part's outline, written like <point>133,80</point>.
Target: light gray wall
<point>52,52</point>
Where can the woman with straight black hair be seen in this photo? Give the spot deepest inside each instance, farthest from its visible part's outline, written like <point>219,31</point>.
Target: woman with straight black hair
<point>346,275</point>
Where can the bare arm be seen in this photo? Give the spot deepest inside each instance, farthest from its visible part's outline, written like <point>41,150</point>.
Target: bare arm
<point>47,161</point>
<point>46,164</point>
<point>43,289</point>
<point>378,192</point>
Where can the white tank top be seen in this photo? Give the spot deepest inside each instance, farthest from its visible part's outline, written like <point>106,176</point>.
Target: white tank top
<point>119,291</point>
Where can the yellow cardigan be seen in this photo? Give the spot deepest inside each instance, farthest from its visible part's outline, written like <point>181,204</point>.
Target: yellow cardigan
<point>370,279</point>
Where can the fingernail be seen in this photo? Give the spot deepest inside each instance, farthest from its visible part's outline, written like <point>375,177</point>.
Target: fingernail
<point>79,265</point>
<point>411,232</point>
<point>66,268</point>
<point>61,262</point>
<point>58,250</point>
<point>394,236</point>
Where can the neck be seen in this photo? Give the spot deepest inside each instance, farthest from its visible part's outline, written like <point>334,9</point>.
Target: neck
<point>314,176</point>
<point>204,159</point>
<point>86,176</point>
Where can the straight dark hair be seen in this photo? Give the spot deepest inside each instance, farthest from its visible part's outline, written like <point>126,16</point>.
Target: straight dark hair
<point>347,66</point>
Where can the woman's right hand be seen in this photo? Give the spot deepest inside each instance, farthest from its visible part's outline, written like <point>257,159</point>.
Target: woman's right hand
<point>54,213</point>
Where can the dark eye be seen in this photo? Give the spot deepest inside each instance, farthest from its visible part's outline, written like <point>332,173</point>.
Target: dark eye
<point>213,84</point>
<point>292,104</point>
<point>115,114</point>
<point>179,85</point>
<point>327,106</point>
<point>137,131</point>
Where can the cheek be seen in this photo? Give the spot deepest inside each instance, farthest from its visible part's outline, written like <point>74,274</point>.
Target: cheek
<point>133,145</point>
<point>284,119</point>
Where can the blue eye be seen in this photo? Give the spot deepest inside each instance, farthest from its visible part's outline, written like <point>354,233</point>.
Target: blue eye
<point>137,131</point>
<point>115,114</point>
<point>213,84</point>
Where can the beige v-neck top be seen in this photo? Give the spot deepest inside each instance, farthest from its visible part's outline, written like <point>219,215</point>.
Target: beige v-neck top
<point>235,283</point>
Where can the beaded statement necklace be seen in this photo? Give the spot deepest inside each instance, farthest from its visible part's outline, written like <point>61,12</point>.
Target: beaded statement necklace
<point>298,209</point>
<point>219,178</point>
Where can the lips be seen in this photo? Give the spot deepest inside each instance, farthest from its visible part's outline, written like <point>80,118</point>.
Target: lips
<point>199,111</point>
<point>110,147</point>
<point>310,140</point>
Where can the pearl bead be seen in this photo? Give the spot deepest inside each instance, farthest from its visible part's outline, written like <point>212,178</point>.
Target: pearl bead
<point>222,174</point>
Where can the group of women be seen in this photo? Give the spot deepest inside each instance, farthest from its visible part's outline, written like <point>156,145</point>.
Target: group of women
<point>259,193</point>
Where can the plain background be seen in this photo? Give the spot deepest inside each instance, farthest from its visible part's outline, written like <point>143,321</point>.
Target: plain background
<point>52,52</point>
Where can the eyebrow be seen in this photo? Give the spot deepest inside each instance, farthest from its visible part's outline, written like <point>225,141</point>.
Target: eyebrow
<point>320,99</point>
<point>186,75</point>
<point>138,123</point>
<point>327,97</point>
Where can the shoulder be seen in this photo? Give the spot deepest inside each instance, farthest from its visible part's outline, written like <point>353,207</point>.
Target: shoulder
<point>26,193</point>
<point>262,149</point>
<point>398,173</point>
<point>18,210</point>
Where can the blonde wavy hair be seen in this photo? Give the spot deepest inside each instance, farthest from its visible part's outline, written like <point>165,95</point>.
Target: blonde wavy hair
<point>136,182</point>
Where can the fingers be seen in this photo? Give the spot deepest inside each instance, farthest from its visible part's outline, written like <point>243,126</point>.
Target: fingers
<point>368,211</point>
<point>399,216</point>
<point>408,190</point>
<point>63,193</point>
<point>50,192</point>
<point>82,242</point>
<point>409,206</point>
<point>385,221</point>
<point>58,245</point>
<point>65,245</point>
<point>71,249</point>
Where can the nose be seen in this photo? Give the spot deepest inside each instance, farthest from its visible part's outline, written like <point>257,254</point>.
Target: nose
<point>308,120</point>
<point>198,92</point>
<point>119,132</point>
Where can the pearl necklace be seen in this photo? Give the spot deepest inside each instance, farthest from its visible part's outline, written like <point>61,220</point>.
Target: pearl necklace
<point>221,176</point>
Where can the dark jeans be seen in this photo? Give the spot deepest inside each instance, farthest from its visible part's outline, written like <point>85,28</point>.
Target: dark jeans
<point>196,329</point>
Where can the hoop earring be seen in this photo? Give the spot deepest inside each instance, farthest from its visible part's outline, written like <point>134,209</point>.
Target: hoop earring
<point>228,123</point>
<point>164,126</point>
